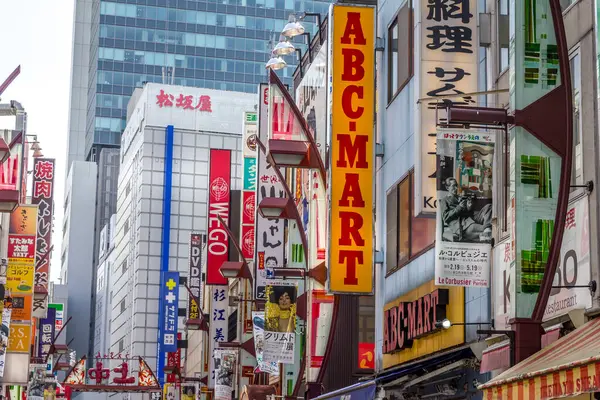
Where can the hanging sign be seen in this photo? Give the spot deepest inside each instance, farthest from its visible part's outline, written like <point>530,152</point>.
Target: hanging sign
<point>195,275</point>
<point>258,322</point>
<point>225,371</point>
<point>464,214</point>
<point>218,205</point>
<point>169,304</point>
<point>280,321</point>
<point>218,325</point>
<point>352,151</point>
<point>447,66</point>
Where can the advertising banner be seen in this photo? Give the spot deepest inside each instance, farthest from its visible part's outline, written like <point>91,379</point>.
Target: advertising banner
<point>218,205</point>
<point>174,360</point>
<point>19,338</point>
<point>169,304</point>
<point>269,242</point>
<point>464,214</point>
<point>4,332</point>
<point>59,318</point>
<point>573,271</point>
<point>258,322</point>
<point>352,151</point>
<point>21,250</point>
<point>280,321</point>
<point>446,65</point>
<point>189,390</point>
<point>195,274</point>
<point>42,195</point>
<point>225,370</point>
<point>21,310</point>
<point>46,333</point>
<point>218,325</point>
<point>248,206</point>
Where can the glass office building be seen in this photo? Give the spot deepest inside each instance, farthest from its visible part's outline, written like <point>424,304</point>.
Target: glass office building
<point>211,44</point>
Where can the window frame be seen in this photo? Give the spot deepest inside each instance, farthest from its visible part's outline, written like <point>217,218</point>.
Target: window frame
<point>409,58</point>
<point>410,175</point>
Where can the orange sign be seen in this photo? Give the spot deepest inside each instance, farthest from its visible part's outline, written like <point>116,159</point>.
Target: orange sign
<point>366,355</point>
<point>19,338</point>
<point>352,155</point>
<point>21,310</point>
<point>23,220</point>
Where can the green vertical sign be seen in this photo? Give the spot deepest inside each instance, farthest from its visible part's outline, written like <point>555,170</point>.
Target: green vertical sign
<point>534,168</point>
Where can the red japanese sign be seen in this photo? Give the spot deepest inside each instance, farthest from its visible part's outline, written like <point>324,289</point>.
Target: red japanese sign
<point>366,355</point>
<point>10,170</point>
<point>174,360</point>
<point>248,207</point>
<point>185,102</point>
<point>218,205</point>
<point>21,246</point>
<point>42,193</point>
<point>247,241</point>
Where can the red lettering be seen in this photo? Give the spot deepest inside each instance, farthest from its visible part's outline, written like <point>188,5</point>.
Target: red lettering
<point>352,189</point>
<point>435,296</point>
<point>401,337</point>
<point>412,320</point>
<point>353,27</point>
<point>347,101</point>
<point>351,222</point>
<point>386,335</point>
<point>353,257</point>
<point>393,325</point>
<point>427,309</point>
<point>355,153</point>
<point>420,316</point>
<point>353,65</point>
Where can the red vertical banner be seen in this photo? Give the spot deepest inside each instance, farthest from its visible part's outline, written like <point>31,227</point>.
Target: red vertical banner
<point>174,360</point>
<point>42,195</point>
<point>219,195</point>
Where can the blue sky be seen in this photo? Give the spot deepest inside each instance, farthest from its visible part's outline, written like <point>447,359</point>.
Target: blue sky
<point>37,34</point>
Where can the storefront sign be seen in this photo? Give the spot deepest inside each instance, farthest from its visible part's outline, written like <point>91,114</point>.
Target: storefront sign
<point>195,275</point>
<point>352,151</point>
<point>174,360</point>
<point>447,66</point>
<point>42,195</point>
<point>269,232</point>
<point>218,205</point>
<point>185,102</point>
<point>59,317</point>
<point>366,355</point>
<point>465,161</point>
<point>410,323</point>
<point>21,259</point>
<point>46,333</point>
<point>411,320</point>
<point>21,310</point>
<point>19,338</point>
<point>573,270</point>
<point>225,371</point>
<point>218,325</point>
<point>248,206</point>
<point>169,304</point>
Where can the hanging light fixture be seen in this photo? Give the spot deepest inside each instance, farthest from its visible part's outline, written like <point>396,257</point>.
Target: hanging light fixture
<point>283,48</point>
<point>276,63</point>
<point>35,146</point>
<point>38,153</point>
<point>292,28</point>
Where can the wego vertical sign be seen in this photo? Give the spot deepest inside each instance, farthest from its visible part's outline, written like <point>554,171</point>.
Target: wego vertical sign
<point>352,143</point>
<point>218,205</point>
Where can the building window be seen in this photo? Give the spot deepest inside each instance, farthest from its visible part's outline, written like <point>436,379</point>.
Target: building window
<point>127,188</point>
<point>407,236</point>
<point>503,34</point>
<point>121,346</point>
<point>124,266</point>
<point>577,162</point>
<point>122,306</point>
<point>126,227</point>
<point>366,319</point>
<point>400,50</point>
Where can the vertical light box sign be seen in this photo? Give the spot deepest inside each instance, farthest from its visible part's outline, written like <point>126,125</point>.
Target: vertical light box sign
<point>446,65</point>
<point>248,211</point>
<point>269,231</point>
<point>218,205</point>
<point>352,155</point>
<point>218,326</point>
<point>535,168</point>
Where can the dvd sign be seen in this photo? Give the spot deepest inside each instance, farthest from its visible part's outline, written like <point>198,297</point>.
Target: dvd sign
<point>218,206</point>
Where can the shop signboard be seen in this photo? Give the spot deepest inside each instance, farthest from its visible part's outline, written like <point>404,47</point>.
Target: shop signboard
<point>225,373</point>
<point>446,64</point>
<point>258,323</point>
<point>280,321</point>
<point>21,250</point>
<point>218,206</point>
<point>19,338</point>
<point>248,206</point>
<point>572,273</point>
<point>59,317</point>
<point>409,328</point>
<point>169,304</point>
<point>43,197</point>
<point>219,304</point>
<point>46,333</point>
<point>269,232</point>
<point>465,161</point>
<point>351,168</point>
<point>195,274</point>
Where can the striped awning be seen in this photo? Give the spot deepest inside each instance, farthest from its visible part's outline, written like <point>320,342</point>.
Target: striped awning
<point>569,366</point>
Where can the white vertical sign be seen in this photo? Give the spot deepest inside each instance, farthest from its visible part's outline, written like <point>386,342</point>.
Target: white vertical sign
<point>218,325</point>
<point>446,46</point>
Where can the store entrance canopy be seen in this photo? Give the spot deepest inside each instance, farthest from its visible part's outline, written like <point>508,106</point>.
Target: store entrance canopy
<point>567,367</point>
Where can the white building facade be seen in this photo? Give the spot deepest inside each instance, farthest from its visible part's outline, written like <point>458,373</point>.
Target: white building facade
<point>202,119</point>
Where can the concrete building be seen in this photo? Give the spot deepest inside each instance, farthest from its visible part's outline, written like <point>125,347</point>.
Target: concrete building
<point>77,251</point>
<point>138,234</point>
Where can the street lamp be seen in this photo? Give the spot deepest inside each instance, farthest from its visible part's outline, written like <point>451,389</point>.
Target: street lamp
<point>293,27</point>
<point>283,48</point>
<point>276,63</point>
<point>447,324</point>
<point>235,269</point>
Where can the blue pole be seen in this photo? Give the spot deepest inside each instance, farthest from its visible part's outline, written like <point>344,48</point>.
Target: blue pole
<point>164,254</point>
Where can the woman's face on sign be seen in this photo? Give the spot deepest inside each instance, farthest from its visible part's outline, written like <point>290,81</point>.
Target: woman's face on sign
<point>284,301</point>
